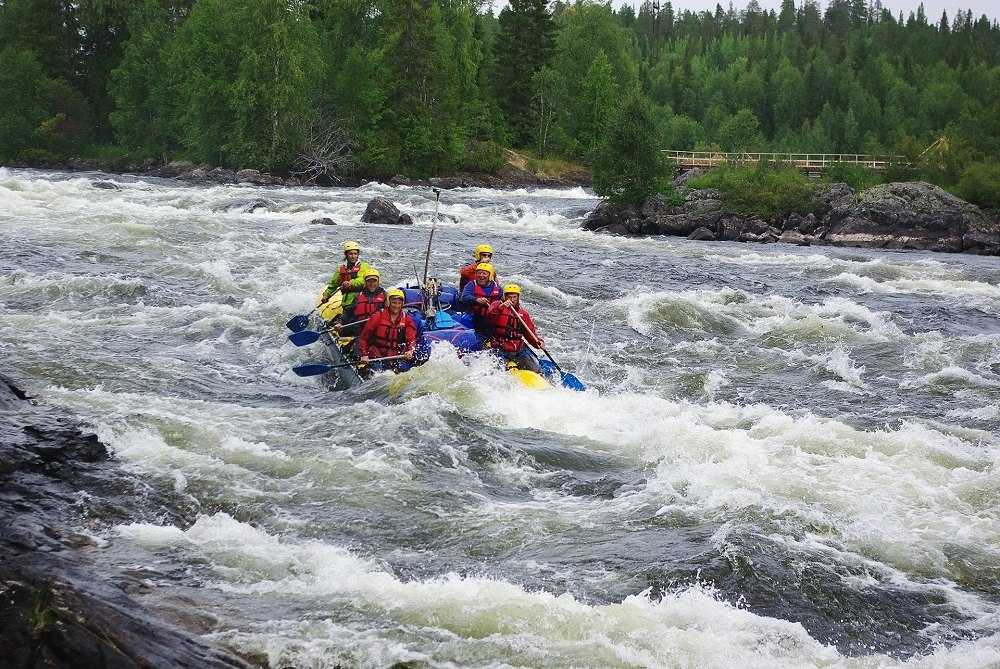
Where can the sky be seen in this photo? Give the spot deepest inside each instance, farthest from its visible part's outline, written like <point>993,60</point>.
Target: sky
<point>932,8</point>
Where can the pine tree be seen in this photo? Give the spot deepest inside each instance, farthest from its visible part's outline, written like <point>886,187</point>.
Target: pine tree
<point>523,47</point>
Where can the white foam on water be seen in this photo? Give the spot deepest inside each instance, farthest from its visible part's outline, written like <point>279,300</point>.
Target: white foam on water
<point>836,362</point>
<point>481,615</point>
<point>729,310</point>
<point>550,293</point>
<point>910,496</point>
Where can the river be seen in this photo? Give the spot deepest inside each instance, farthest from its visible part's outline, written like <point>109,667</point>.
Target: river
<point>788,457</point>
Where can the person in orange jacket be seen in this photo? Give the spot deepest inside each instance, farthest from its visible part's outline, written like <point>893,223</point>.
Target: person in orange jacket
<point>509,333</point>
<point>482,253</point>
<point>389,332</point>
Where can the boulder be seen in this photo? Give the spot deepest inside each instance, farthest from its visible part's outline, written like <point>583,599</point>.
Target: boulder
<point>405,219</point>
<point>685,176</point>
<point>381,211</point>
<point>197,174</point>
<point>255,177</point>
<point>105,185</point>
<point>614,219</point>
<point>913,215</point>
<point>702,235</point>
<point>323,221</point>
<point>174,168</point>
<point>222,175</point>
<point>258,203</point>
<point>795,237</point>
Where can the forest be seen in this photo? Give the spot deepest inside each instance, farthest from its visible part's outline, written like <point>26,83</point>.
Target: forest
<point>428,87</point>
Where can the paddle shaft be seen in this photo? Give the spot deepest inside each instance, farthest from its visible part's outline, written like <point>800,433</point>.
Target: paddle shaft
<point>527,329</point>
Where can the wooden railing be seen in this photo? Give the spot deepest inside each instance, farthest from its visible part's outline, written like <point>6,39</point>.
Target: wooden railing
<point>809,162</point>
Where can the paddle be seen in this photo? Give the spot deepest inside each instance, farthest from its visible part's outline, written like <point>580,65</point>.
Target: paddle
<point>317,368</point>
<point>300,322</point>
<point>568,380</point>
<point>306,337</point>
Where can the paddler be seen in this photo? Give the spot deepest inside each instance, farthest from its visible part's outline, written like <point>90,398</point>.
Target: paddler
<point>478,295</point>
<point>348,279</point>
<point>369,301</point>
<point>509,333</point>
<point>389,332</point>
<point>482,253</point>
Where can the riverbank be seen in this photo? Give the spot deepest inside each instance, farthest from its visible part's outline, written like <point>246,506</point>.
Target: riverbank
<point>59,610</point>
<point>519,171</point>
<point>901,215</point>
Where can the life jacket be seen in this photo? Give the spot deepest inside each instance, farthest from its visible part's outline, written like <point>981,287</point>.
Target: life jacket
<point>491,292</point>
<point>383,337</point>
<point>349,273</point>
<point>507,332</point>
<point>367,303</point>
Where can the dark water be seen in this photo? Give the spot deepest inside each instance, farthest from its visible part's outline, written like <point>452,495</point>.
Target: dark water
<point>788,456</point>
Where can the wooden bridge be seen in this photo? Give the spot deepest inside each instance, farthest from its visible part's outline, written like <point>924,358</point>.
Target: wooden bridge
<point>813,163</point>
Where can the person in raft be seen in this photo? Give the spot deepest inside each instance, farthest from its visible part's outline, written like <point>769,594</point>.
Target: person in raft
<point>370,300</point>
<point>348,279</point>
<point>509,333</point>
<point>390,332</point>
<point>467,274</point>
<point>478,295</point>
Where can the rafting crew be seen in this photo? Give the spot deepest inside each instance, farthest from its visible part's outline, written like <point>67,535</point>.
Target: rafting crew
<point>388,333</point>
<point>348,279</point>
<point>478,295</point>
<point>370,300</point>
<point>511,328</point>
<point>467,274</point>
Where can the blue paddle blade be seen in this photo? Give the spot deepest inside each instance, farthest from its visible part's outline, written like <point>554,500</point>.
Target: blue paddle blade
<point>571,382</point>
<point>311,369</point>
<point>304,338</point>
<point>297,323</point>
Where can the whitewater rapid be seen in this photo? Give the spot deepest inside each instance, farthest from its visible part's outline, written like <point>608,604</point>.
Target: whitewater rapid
<point>788,456</point>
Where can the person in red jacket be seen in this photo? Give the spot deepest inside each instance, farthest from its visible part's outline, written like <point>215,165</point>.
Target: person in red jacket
<point>483,253</point>
<point>389,332</point>
<point>369,301</point>
<point>509,333</point>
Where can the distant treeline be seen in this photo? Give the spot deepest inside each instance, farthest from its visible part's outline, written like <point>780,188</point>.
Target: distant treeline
<point>431,86</point>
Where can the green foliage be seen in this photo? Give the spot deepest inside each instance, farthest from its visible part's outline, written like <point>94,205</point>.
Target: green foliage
<point>429,86</point>
<point>50,117</point>
<point>629,165</point>
<point>523,47</point>
<point>980,184</point>
<point>858,178</point>
<point>483,157</point>
<point>765,190</point>
<point>740,132</point>
<point>245,106</point>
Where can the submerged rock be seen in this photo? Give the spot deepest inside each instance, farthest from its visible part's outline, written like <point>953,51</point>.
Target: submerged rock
<point>323,221</point>
<point>105,185</point>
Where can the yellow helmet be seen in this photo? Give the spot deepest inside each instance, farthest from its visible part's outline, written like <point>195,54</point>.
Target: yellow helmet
<point>512,288</point>
<point>371,272</point>
<point>482,248</point>
<point>487,267</point>
<point>352,246</point>
<point>394,292</point>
